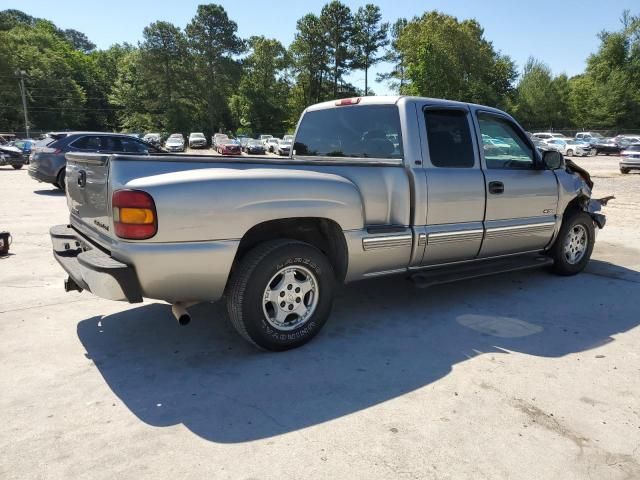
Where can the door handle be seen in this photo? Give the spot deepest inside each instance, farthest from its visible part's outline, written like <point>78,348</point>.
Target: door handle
<point>496,188</point>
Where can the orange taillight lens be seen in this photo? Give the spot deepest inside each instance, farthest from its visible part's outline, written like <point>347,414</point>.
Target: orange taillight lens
<point>134,214</point>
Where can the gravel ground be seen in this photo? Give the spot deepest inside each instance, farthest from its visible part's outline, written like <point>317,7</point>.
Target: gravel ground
<point>525,375</point>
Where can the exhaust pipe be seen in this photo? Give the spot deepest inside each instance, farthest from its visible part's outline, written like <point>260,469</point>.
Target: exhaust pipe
<point>179,310</point>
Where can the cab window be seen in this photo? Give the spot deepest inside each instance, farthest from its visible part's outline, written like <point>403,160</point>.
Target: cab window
<point>512,149</point>
<point>362,131</point>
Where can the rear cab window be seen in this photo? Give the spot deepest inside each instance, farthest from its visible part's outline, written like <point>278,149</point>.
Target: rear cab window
<point>357,131</point>
<point>449,138</point>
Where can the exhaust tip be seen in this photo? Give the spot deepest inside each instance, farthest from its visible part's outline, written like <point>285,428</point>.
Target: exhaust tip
<point>179,310</point>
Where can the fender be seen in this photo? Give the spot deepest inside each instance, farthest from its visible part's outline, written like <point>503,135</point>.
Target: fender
<point>224,203</point>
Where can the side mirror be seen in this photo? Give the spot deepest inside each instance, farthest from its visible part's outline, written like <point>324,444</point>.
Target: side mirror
<point>552,159</point>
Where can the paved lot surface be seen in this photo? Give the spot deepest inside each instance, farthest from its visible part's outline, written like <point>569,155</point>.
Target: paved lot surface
<point>518,376</point>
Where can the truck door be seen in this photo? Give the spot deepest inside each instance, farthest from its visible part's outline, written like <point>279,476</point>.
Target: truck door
<point>521,197</point>
<point>455,185</point>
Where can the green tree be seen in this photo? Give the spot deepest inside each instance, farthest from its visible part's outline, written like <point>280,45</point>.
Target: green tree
<point>212,40</point>
<point>261,102</point>
<point>310,57</point>
<point>337,21</point>
<point>397,76</point>
<point>369,36</point>
<point>540,100</point>
<point>162,64</point>
<point>450,59</point>
<point>79,40</point>
<point>608,93</point>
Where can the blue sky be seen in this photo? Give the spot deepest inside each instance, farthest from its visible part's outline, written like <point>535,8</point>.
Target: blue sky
<point>562,33</point>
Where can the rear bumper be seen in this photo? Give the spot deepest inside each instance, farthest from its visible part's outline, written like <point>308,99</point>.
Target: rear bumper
<point>92,269</point>
<point>631,165</point>
<point>40,176</point>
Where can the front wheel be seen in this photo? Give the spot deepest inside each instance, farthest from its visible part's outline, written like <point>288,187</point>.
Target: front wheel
<point>624,171</point>
<point>573,247</point>
<point>280,294</point>
<point>17,167</point>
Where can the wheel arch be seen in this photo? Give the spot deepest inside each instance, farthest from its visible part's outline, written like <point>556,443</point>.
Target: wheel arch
<point>323,233</point>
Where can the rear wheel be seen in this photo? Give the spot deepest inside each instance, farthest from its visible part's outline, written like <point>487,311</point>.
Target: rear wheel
<point>17,167</point>
<point>60,180</point>
<point>573,247</point>
<point>624,171</point>
<point>280,294</point>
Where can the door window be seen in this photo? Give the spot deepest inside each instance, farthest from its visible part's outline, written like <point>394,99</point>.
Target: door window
<point>503,144</point>
<point>449,138</point>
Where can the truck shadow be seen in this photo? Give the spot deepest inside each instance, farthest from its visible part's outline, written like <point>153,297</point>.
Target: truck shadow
<point>384,339</point>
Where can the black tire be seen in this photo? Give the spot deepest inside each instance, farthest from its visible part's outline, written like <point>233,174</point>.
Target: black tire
<point>17,167</point>
<point>562,264</point>
<point>248,284</point>
<point>624,171</point>
<point>60,180</point>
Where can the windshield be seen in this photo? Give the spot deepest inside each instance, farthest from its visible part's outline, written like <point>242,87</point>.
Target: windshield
<point>633,148</point>
<point>255,143</point>
<point>197,135</point>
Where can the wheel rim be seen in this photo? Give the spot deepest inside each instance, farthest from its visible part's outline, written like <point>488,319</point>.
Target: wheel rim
<point>575,244</point>
<point>290,298</point>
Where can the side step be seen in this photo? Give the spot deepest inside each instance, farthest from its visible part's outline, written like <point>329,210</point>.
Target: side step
<point>481,268</point>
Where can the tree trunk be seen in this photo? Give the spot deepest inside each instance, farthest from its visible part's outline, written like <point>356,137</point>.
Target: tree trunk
<point>366,77</point>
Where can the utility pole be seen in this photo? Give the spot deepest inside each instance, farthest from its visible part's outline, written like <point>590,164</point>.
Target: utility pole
<point>23,92</point>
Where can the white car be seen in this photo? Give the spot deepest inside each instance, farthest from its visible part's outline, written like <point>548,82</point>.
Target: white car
<point>590,137</point>
<point>271,145</point>
<point>630,158</point>
<point>197,140</point>
<point>175,143</point>
<point>569,147</point>
<point>548,135</point>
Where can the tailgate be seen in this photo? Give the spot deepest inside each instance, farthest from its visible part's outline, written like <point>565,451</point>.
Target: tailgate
<point>88,196</point>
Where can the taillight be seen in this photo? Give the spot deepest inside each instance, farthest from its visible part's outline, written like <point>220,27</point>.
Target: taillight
<point>134,214</point>
<point>48,150</point>
<point>348,101</point>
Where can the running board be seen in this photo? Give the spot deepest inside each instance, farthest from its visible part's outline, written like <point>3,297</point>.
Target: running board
<point>483,268</point>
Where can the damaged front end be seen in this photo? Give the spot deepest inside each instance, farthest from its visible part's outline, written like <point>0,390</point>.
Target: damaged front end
<point>576,187</point>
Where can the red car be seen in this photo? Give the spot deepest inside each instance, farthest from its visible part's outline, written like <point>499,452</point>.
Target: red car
<point>230,148</point>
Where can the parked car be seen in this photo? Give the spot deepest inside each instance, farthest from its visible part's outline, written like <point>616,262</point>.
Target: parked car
<point>271,144</point>
<point>154,139</point>
<point>278,237</point>
<point>11,155</point>
<point>175,143</point>
<point>24,144</point>
<point>244,140</point>
<point>624,141</point>
<point>630,158</point>
<point>568,147</point>
<point>548,135</point>
<point>229,147</point>
<point>197,140</point>
<point>287,138</point>
<point>264,139</point>
<point>590,137</point>
<point>606,146</point>
<point>499,146</point>
<point>254,147</point>
<point>283,148</point>
<point>47,163</point>
<point>218,139</point>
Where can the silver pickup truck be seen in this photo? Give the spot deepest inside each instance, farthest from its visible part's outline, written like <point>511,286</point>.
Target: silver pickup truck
<point>435,189</point>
